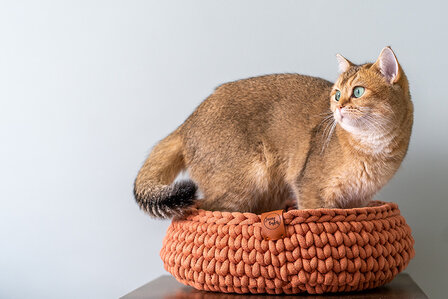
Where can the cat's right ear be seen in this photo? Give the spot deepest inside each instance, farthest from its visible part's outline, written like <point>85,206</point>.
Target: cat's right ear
<point>343,63</point>
<point>388,65</point>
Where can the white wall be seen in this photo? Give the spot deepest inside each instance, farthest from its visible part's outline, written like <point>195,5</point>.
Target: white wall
<point>87,87</point>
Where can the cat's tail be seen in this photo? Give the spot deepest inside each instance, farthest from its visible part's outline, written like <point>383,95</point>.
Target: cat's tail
<point>154,189</point>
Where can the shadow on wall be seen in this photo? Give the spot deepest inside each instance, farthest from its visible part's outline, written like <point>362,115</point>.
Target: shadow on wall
<point>421,190</point>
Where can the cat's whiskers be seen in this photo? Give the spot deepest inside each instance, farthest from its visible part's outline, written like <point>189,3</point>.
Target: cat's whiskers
<point>362,118</point>
<point>371,131</point>
<point>324,121</point>
<point>326,118</point>
<point>333,126</point>
<point>328,131</point>
<point>379,136</point>
<point>388,134</point>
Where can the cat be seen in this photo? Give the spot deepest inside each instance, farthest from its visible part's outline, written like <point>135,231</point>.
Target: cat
<point>256,143</point>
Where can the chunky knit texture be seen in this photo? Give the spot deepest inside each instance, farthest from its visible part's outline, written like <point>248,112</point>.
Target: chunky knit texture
<point>325,250</point>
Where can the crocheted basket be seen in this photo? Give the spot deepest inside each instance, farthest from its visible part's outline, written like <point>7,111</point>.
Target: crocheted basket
<point>324,250</point>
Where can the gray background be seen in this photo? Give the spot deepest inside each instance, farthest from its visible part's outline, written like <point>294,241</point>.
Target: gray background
<point>87,87</point>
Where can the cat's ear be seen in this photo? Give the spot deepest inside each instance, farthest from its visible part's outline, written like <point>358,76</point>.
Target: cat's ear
<point>387,64</point>
<point>343,63</point>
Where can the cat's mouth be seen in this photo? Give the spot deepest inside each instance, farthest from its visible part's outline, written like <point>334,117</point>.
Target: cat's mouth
<point>344,115</point>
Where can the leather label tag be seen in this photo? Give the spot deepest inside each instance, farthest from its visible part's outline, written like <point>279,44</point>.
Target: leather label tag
<point>272,225</point>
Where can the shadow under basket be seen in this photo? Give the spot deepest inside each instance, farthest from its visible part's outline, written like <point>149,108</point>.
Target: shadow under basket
<point>323,250</point>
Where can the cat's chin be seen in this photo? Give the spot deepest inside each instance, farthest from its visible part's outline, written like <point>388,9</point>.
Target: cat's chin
<point>347,123</point>
<point>352,127</point>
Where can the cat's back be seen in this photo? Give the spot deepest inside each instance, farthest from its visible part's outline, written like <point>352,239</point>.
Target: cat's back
<point>255,101</point>
<point>274,86</point>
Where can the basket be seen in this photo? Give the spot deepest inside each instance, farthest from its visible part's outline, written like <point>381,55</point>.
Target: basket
<point>324,250</point>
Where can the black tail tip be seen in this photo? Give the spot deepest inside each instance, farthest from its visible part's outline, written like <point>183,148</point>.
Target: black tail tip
<point>183,193</point>
<point>170,201</point>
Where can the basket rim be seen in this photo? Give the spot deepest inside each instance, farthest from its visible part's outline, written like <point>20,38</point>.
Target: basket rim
<point>306,215</point>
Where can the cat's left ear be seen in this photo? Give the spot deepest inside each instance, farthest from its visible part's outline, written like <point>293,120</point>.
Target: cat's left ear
<point>343,63</point>
<point>388,65</point>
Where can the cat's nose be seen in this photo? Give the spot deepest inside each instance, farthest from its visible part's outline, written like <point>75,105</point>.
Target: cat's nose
<point>341,110</point>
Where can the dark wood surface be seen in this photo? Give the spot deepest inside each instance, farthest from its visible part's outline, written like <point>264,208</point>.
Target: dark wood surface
<point>166,287</point>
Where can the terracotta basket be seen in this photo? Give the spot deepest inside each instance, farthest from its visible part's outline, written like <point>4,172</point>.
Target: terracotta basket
<point>324,250</point>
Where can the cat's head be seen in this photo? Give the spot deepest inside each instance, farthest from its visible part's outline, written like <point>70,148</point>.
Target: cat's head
<point>372,98</point>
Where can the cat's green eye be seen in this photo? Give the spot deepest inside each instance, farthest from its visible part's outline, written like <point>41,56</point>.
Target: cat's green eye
<point>358,91</point>
<point>337,95</point>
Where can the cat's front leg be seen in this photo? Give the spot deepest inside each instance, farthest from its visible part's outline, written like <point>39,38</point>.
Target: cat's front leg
<point>307,198</point>
<point>335,197</point>
<point>313,196</point>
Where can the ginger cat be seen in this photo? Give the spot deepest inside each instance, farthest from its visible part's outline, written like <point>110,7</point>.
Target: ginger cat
<point>256,143</point>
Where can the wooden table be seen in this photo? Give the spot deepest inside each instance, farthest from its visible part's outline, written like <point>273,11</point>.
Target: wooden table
<point>166,287</point>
